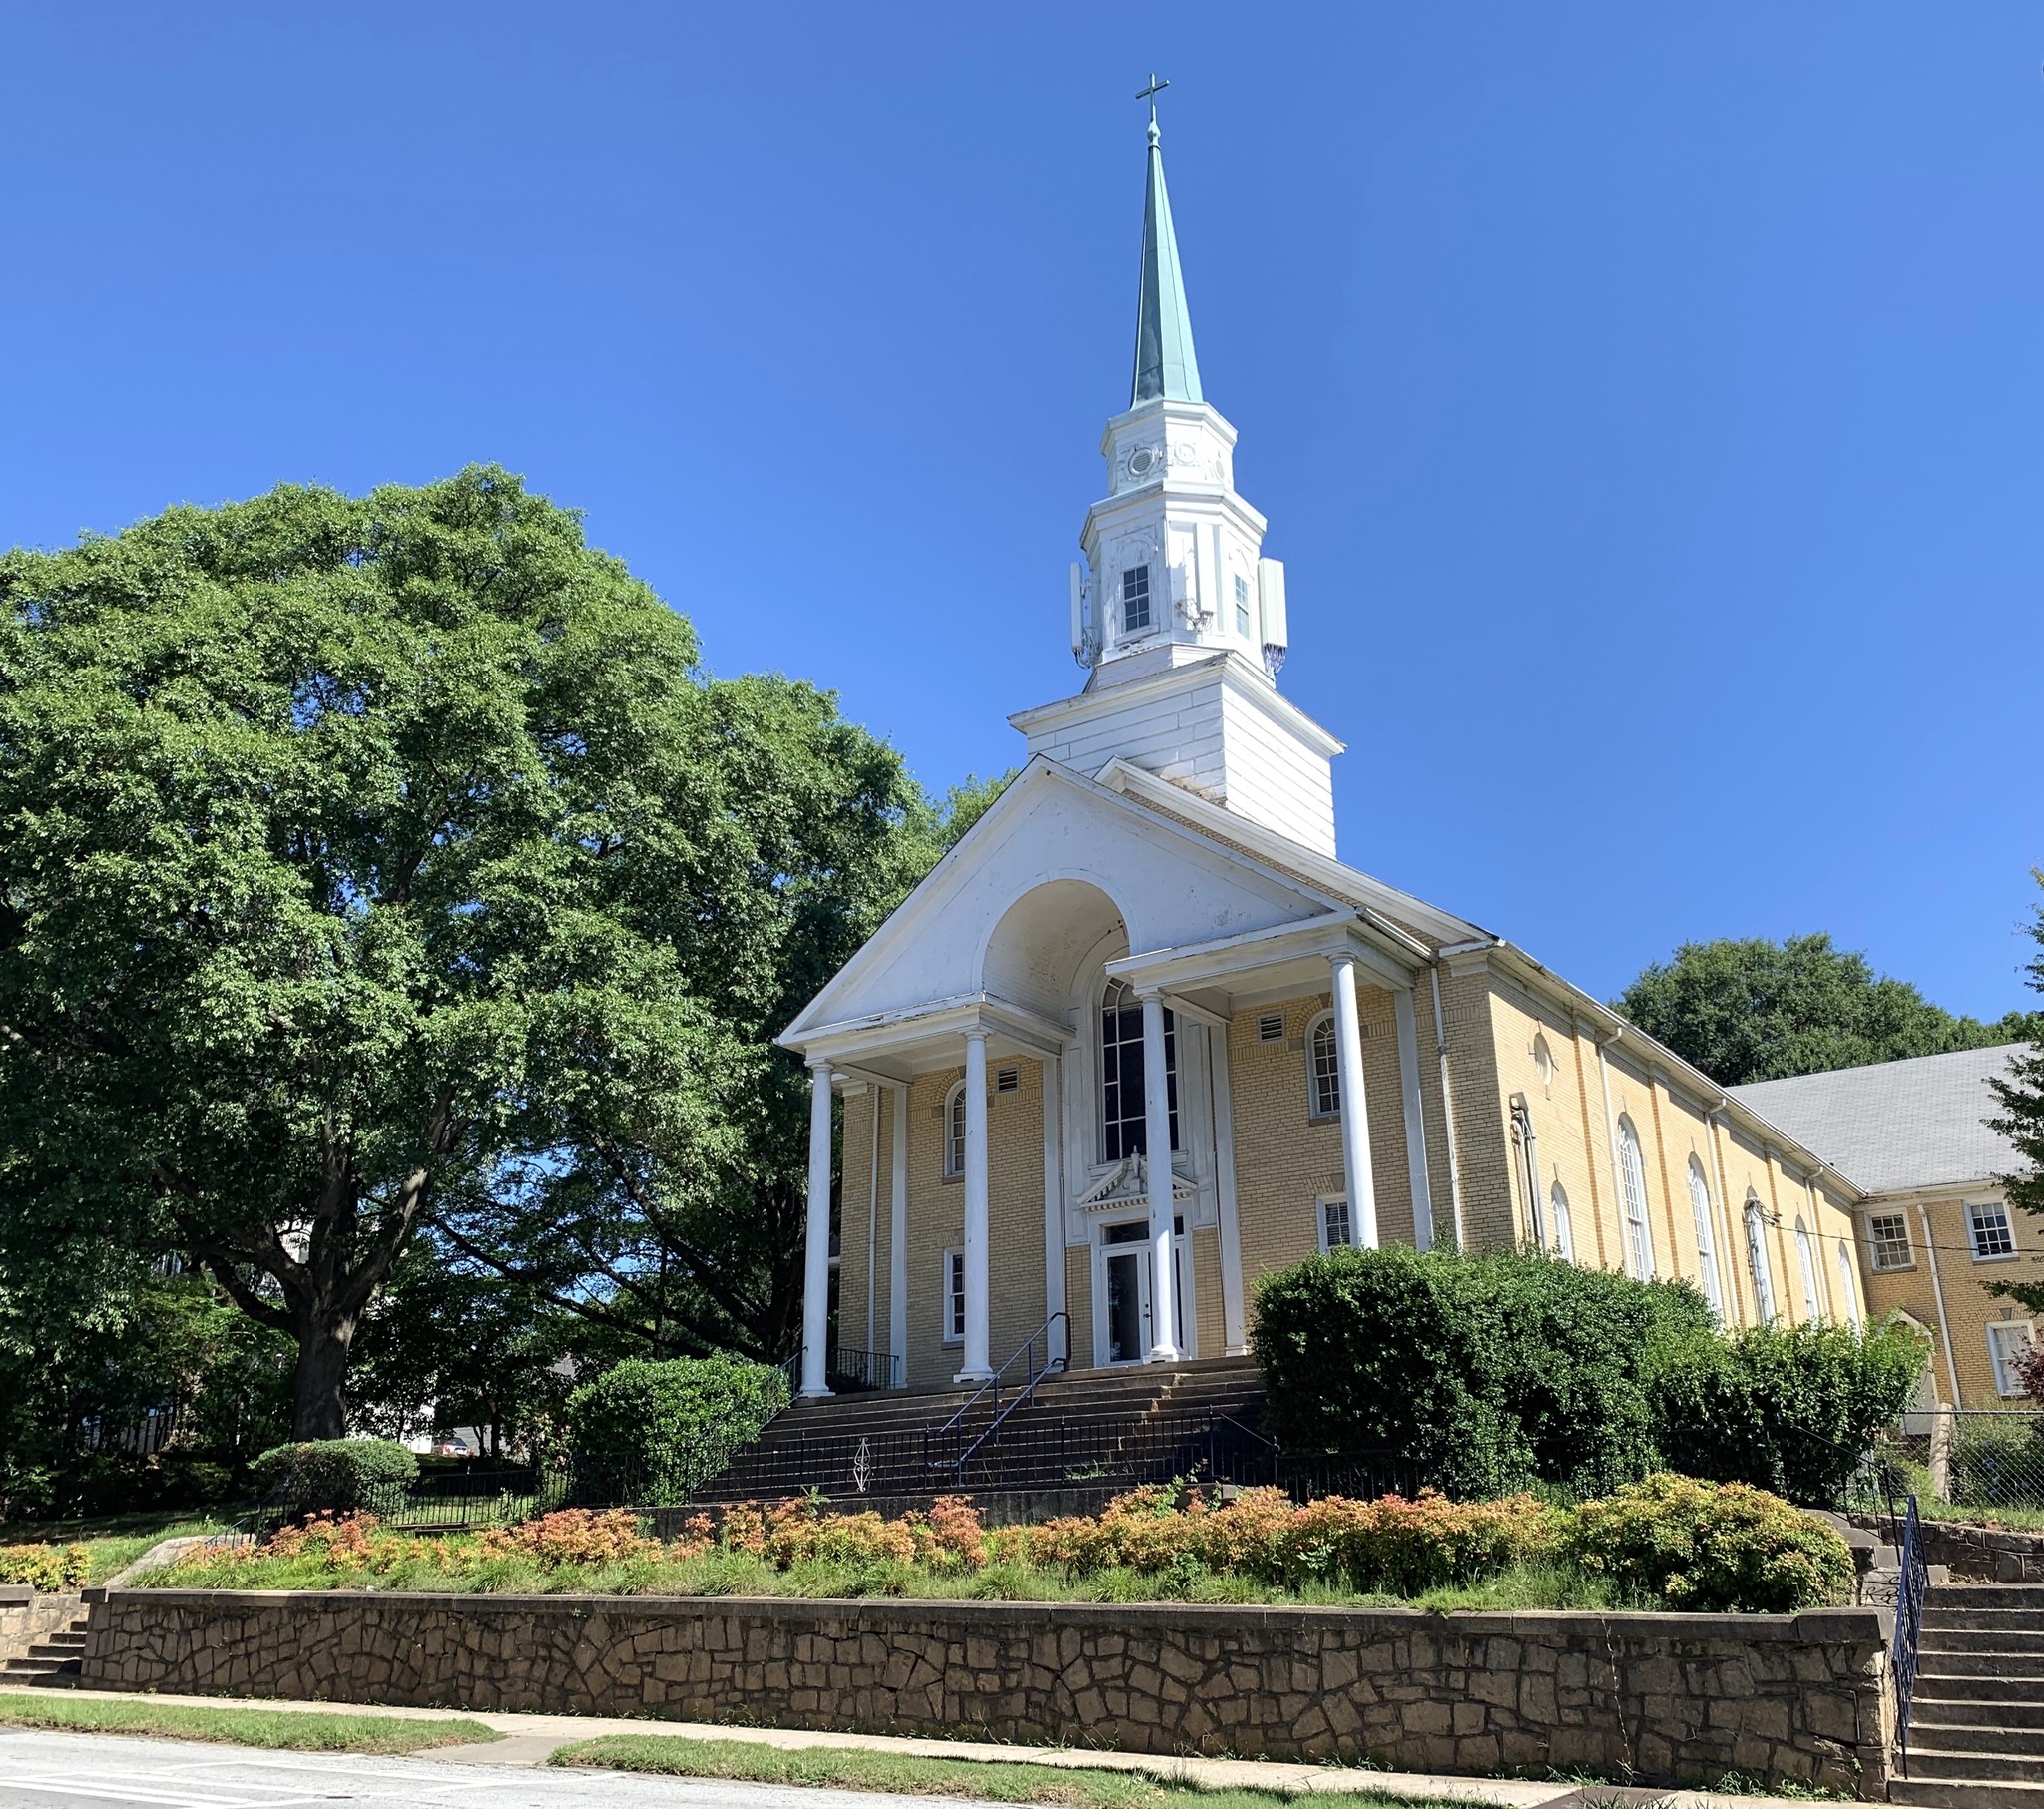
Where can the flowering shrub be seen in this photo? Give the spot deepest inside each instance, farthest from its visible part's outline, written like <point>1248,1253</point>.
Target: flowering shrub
<point>1711,1546</point>
<point>1392,1545</point>
<point>577,1536</point>
<point>46,1568</point>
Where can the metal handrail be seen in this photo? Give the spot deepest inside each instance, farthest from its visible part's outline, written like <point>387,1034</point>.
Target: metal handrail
<point>1915,1583</point>
<point>1051,1364</point>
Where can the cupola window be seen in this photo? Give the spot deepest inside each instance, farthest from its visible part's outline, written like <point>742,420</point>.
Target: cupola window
<point>1135,599</point>
<point>1241,606</point>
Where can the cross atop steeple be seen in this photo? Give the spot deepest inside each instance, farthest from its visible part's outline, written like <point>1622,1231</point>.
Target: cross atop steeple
<point>1164,364</point>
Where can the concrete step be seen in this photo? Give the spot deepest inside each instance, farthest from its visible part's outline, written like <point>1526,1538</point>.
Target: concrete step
<point>1947,1684</point>
<point>2016,1620</point>
<point>2013,1640</point>
<point>1982,1713</point>
<point>1944,1793</point>
<point>1944,1735</point>
<point>1987,1595</point>
<point>1974,1767</point>
<point>41,1673</point>
<point>2015,1666</point>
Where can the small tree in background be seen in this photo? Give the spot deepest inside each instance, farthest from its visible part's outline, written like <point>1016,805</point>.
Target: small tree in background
<point>1754,1010</point>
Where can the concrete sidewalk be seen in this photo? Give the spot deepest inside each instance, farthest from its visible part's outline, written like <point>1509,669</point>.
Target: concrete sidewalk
<point>532,1739</point>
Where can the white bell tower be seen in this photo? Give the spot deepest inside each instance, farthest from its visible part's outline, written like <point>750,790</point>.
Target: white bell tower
<point>1175,614</point>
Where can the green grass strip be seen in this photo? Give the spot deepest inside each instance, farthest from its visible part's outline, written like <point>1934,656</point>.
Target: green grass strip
<point>278,1728</point>
<point>903,1774</point>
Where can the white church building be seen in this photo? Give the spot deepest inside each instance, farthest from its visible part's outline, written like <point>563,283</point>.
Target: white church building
<point>1142,1038</point>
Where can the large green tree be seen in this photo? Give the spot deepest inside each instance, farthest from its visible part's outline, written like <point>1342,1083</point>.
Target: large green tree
<point>1753,1010</point>
<point>370,859</point>
<point>2021,1097</point>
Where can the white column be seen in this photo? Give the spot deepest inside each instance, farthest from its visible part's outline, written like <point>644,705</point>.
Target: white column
<point>978,1361</point>
<point>1233,1322</point>
<point>1157,1155</point>
<point>1362,1187</point>
<point>897,1243</point>
<point>1052,1076</point>
<point>1415,1117</point>
<point>816,1256</point>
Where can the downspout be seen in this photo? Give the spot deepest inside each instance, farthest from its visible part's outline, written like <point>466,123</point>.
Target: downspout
<point>1723,1208</point>
<point>1944,1319</point>
<point>1440,1036</point>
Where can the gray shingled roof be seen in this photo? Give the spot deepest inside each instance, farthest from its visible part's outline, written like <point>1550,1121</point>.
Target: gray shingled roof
<point>1896,1125</point>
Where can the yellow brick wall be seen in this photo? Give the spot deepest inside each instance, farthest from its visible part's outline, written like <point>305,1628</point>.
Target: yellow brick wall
<point>1079,1302</point>
<point>1482,1146</point>
<point>1968,1307</point>
<point>856,1197</point>
<point>1204,1247</point>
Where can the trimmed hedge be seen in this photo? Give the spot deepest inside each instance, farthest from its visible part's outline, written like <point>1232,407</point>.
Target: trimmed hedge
<point>1787,1409</point>
<point>1489,1373</point>
<point>1711,1548</point>
<point>339,1474</point>
<point>653,1430</point>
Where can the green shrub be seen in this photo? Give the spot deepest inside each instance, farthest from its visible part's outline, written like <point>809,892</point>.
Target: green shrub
<point>1488,1372</point>
<point>340,1475</point>
<point>1785,1409</point>
<point>655,1430</point>
<point>1709,1548</point>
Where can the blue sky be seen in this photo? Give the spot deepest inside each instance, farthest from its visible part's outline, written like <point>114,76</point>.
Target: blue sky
<point>1646,401</point>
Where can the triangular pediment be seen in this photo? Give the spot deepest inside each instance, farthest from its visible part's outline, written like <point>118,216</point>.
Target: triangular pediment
<point>1056,863</point>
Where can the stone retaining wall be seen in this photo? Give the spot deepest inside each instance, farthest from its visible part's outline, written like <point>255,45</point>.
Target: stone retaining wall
<point>1976,1553</point>
<point>1665,1698</point>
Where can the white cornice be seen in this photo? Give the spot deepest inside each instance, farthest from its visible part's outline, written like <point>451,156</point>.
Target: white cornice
<point>1235,669</point>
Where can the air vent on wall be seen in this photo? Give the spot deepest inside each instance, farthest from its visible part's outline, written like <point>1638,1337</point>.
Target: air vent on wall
<point>1007,1080</point>
<point>1270,1028</point>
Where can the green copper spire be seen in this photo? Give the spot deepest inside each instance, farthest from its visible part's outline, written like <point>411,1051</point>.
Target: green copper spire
<point>1164,364</point>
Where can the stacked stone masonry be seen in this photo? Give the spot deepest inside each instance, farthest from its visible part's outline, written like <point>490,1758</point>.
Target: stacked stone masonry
<point>1663,1698</point>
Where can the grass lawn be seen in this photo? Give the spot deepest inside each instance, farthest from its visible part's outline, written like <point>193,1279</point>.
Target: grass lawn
<point>281,1728</point>
<point>453,1566</point>
<point>115,1541</point>
<point>902,1774</point>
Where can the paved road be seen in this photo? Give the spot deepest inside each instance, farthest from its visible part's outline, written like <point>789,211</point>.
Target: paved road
<point>105,1771</point>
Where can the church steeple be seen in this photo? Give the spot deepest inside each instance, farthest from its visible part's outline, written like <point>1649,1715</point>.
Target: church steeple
<point>1166,368</point>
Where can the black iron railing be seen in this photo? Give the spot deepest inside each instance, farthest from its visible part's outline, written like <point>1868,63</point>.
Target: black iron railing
<point>1916,1584</point>
<point>954,1445</point>
<point>850,1371</point>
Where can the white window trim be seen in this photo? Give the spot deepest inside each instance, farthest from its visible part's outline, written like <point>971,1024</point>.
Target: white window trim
<point>1702,1209</point>
<point>1974,1231</point>
<point>1994,1356</point>
<point>1564,1227</point>
<point>1314,1112</point>
<point>955,1146</point>
<point>1873,1260</point>
<point>1754,1222</point>
<point>1320,1205</point>
<point>1850,1283</point>
<point>954,1261</point>
<point>1634,1209</point>
<point>1806,1262</point>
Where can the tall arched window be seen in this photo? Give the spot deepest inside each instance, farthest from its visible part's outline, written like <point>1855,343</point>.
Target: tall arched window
<point>1756,1259</point>
<point>1323,1068</point>
<point>1564,1233</point>
<point>1848,1292</point>
<point>1805,1260</point>
<point>1123,1125</point>
<point>1528,1147</point>
<point>954,1132</point>
<point>1707,1245</point>
<point>1632,1180</point>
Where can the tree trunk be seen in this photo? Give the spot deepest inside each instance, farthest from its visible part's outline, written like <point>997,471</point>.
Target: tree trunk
<point>318,1389</point>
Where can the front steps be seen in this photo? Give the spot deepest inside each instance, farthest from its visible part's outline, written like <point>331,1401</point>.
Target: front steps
<point>51,1663</point>
<point>1976,1725</point>
<point>1085,1431</point>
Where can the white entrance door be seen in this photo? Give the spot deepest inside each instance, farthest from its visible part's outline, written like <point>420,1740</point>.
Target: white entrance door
<point>1121,1293</point>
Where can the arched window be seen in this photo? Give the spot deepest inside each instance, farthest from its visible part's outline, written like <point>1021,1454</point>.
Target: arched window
<point>1564,1233</point>
<point>1805,1260</point>
<point>1849,1293</point>
<point>1527,1146</point>
<point>1323,1068</point>
<point>1123,1127</point>
<point>954,1131</point>
<point>1632,1180</point>
<point>1756,1259</point>
<point>1543,1062</point>
<point>1707,1245</point>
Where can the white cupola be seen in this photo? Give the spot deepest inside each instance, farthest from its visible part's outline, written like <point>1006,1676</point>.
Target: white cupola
<point>1175,614</point>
